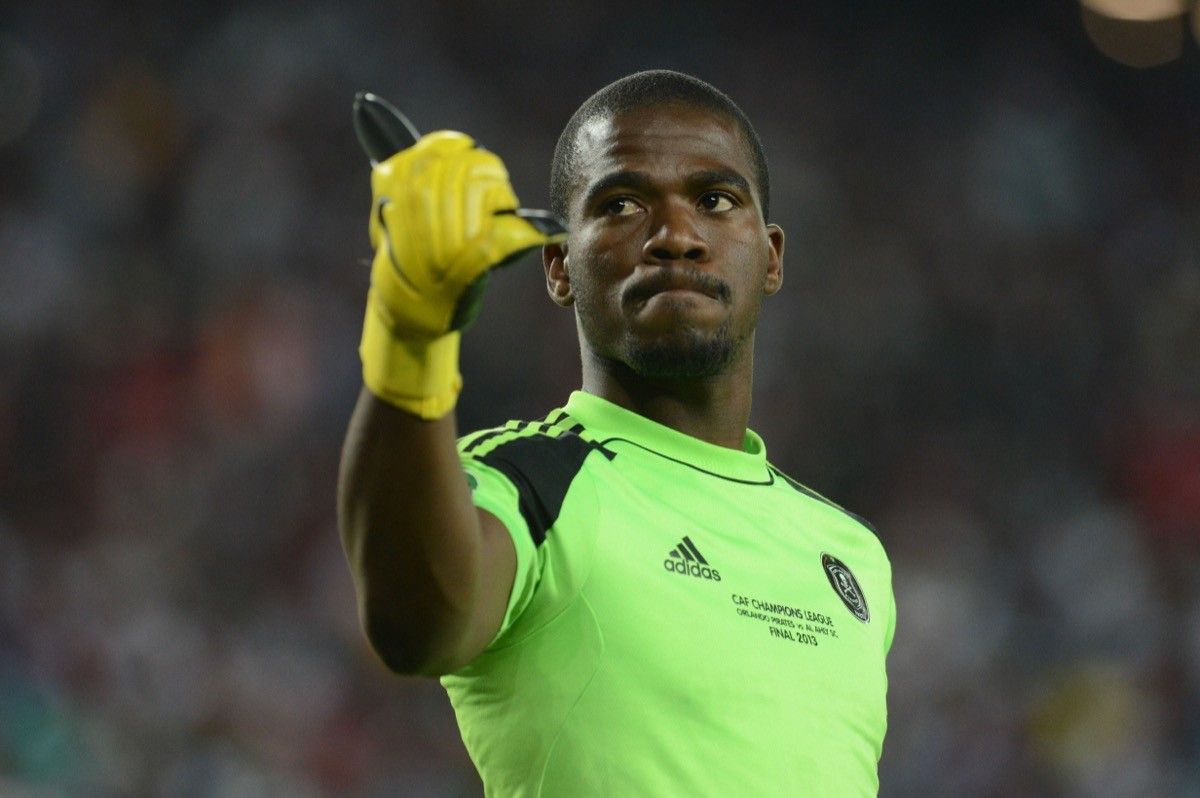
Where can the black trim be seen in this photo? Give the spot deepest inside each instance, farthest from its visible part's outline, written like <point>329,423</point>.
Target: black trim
<point>542,469</point>
<point>812,494</point>
<point>484,438</point>
<point>544,426</point>
<point>770,474</point>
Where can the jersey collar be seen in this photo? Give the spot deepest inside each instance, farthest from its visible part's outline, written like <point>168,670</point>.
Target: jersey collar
<point>609,423</point>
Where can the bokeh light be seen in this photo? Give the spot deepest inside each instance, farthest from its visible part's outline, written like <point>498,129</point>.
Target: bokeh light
<point>1151,37</point>
<point>1138,10</point>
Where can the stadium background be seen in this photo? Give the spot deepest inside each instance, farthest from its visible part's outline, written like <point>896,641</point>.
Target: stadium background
<point>988,343</point>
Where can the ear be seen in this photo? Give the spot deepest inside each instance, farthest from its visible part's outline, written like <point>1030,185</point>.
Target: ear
<point>558,282</point>
<point>774,277</point>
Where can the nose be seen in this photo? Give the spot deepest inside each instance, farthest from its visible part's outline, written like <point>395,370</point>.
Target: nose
<point>675,236</point>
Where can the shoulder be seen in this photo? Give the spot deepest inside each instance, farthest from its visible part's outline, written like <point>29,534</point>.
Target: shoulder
<point>542,459</point>
<point>851,539</point>
<point>808,492</point>
<point>557,439</point>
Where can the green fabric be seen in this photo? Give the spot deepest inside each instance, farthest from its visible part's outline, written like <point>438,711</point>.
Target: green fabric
<point>623,668</point>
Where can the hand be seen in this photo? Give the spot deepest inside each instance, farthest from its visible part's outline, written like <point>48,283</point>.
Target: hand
<point>443,215</point>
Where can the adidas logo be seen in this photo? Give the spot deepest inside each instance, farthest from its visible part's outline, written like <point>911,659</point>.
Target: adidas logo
<point>687,559</point>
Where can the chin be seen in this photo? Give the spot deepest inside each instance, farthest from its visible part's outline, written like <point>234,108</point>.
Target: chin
<point>691,357</point>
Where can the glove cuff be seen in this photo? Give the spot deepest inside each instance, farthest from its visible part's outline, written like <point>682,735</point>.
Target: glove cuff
<point>419,376</point>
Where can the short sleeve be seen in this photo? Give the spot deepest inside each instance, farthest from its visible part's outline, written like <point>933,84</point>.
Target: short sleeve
<point>492,491</point>
<point>527,476</point>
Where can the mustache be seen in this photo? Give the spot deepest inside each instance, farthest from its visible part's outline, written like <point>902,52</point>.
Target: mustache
<point>677,279</point>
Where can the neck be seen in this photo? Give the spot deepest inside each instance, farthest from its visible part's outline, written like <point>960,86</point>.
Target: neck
<point>714,409</point>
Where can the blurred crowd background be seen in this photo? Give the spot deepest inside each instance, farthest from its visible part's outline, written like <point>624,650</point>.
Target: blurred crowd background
<point>988,343</point>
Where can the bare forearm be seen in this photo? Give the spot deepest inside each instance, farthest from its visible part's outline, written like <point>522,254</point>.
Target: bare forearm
<point>410,532</point>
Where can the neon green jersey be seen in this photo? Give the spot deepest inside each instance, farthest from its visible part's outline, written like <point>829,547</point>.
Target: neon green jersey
<point>685,621</point>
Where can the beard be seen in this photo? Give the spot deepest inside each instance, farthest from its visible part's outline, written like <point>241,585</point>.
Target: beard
<point>688,354</point>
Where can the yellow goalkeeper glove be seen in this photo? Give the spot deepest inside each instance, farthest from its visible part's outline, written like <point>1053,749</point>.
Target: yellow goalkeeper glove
<point>443,214</point>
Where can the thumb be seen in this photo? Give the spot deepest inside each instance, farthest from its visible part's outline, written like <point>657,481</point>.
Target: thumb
<point>507,239</point>
<point>510,238</point>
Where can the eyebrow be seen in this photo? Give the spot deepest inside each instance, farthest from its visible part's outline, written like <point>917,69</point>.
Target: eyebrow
<point>717,177</point>
<point>640,181</point>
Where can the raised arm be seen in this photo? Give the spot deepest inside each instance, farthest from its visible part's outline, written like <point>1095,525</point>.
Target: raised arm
<point>431,572</point>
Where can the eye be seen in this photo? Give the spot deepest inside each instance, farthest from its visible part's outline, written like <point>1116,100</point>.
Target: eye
<point>716,202</point>
<point>621,206</point>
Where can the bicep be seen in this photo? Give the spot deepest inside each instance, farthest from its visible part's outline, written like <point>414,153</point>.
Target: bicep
<point>497,573</point>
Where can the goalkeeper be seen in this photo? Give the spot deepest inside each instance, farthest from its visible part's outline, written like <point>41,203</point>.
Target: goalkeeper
<point>624,597</point>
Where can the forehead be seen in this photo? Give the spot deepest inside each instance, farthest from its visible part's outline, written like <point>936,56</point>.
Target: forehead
<point>661,141</point>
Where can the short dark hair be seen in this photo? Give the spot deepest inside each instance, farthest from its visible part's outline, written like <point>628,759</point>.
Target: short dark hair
<point>642,90</point>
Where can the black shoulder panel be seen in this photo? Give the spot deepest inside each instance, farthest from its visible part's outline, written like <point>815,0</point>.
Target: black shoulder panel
<point>542,469</point>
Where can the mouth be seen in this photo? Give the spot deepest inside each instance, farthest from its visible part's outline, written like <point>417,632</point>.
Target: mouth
<point>675,282</point>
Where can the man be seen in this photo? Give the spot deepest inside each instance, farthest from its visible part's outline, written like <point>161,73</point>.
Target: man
<point>624,597</point>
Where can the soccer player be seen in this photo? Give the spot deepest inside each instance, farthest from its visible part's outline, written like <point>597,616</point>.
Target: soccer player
<point>624,597</point>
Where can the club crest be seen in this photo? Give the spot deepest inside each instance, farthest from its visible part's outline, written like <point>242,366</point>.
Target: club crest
<point>846,586</point>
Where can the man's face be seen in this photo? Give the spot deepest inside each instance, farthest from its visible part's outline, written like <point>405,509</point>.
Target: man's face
<point>669,257</point>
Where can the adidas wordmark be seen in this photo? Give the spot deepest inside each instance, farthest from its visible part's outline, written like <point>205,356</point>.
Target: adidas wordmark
<point>687,559</point>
